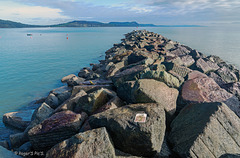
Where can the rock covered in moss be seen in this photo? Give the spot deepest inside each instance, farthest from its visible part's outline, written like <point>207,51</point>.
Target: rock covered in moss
<point>150,91</point>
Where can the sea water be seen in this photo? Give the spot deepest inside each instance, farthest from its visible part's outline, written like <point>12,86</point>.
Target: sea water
<point>33,60</point>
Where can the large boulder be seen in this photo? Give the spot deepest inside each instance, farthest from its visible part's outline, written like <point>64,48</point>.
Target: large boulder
<point>66,78</point>
<point>137,138</point>
<point>19,119</point>
<point>187,60</point>
<point>196,55</point>
<point>150,91</point>
<point>114,68</point>
<point>206,65</point>
<point>62,93</point>
<point>140,56</point>
<point>71,103</point>
<point>40,114</point>
<point>90,88</point>
<point>94,143</point>
<point>233,88</point>
<point>72,80</point>
<point>179,51</point>
<point>227,75</point>
<point>205,130</point>
<point>52,101</point>
<point>55,129</point>
<point>91,102</point>
<point>129,74</point>
<point>162,76</point>
<point>217,78</point>
<point>16,140</point>
<point>113,103</point>
<point>85,73</point>
<point>204,89</point>
<point>179,70</point>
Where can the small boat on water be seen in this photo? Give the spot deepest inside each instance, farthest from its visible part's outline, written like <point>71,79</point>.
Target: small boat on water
<point>29,34</point>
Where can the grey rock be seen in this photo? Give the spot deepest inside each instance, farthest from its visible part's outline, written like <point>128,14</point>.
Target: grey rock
<point>187,60</point>
<point>19,119</point>
<point>227,75</point>
<point>62,93</point>
<point>170,45</point>
<point>216,60</point>
<point>95,144</point>
<point>179,51</point>
<point>124,91</point>
<point>84,73</point>
<point>72,80</point>
<point>90,88</point>
<point>115,68</point>
<point>205,130</point>
<point>71,103</point>
<point>162,76</point>
<point>113,103</point>
<point>206,66</point>
<point>150,91</point>
<point>165,151</point>
<point>217,78</point>
<point>233,88</point>
<point>16,140</point>
<point>52,101</point>
<point>66,78</point>
<point>196,55</point>
<point>40,114</point>
<point>129,74</point>
<point>174,59</point>
<point>131,137</point>
<point>180,70</point>
<point>63,97</point>
<point>136,57</point>
<point>93,101</point>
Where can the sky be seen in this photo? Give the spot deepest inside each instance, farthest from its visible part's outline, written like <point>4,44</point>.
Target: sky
<point>161,12</point>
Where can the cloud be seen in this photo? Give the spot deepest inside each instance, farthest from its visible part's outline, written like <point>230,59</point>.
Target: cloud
<point>25,13</point>
<point>150,11</point>
<point>141,10</point>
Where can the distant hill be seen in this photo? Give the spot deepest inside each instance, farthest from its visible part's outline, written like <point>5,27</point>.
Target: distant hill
<point>80,24</point>
<point>11,24</point>
<point>100,24</point>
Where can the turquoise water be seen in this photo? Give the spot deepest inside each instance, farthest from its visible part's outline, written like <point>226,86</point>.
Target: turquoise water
<point>31,66</point>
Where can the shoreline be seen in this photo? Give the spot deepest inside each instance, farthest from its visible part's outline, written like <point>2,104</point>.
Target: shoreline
<point>145,75</point>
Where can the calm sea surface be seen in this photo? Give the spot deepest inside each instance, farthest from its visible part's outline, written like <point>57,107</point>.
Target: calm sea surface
<point>31,66</point>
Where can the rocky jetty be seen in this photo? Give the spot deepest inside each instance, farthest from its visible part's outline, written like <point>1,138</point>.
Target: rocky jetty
<point>150,97</point>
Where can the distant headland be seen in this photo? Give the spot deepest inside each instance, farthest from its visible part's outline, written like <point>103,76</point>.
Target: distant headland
<point>12,24</point>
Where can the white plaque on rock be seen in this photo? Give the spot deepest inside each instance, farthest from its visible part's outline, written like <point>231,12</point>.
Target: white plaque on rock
<point>140,117</point>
